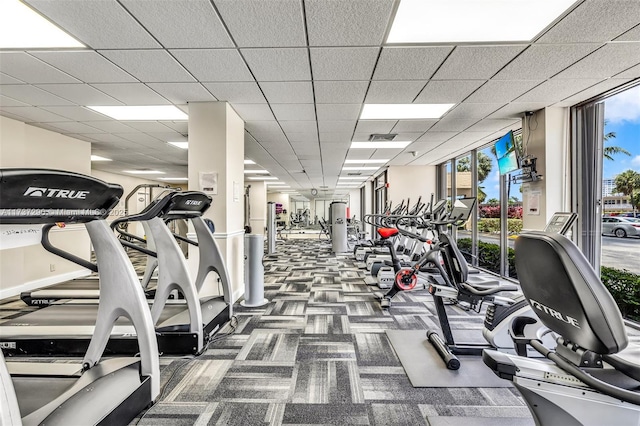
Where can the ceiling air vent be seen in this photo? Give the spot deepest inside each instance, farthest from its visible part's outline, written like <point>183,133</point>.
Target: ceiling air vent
<point>354,174</point>
<point>382,137</point>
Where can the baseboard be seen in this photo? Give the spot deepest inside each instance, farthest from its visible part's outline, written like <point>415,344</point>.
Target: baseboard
<point>43,282</point>
<point>237,294</point>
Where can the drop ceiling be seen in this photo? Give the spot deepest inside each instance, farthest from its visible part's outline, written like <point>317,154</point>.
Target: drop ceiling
<point>298,73</point>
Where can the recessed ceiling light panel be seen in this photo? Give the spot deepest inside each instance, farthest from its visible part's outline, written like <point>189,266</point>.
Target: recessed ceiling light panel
<point>469,21</point>
<point>99,158</point>
<point>181,145</point>
<point>366,161</point>
<point>403,111</point>
<point>144,172</point>
<point>23,28</point>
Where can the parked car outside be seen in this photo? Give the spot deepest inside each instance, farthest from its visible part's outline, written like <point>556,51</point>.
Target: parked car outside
<point>621,227</point>
<point>629,215</point>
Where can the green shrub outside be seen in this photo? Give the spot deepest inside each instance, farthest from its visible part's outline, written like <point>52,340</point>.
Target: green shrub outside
<point>514,226</point>
<point>623,285</point>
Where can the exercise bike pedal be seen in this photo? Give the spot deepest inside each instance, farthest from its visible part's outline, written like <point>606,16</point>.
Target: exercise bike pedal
<point>385,303</point>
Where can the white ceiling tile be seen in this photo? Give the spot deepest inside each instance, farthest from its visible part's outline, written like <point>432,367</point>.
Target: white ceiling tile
<point>340,92</point>
<point>278,64</point>
<point>76,113</point>
<point>194,23</point>
<point>555,90</point>
<point>33,114</point>
<point>302,137</point>
<point>146,126</point>
<point>254,112</point>
<point>169,136</point>
<point>393,92</point>
<point>347,23</point>
<point>5,101</point>
<point>109,138</point>
<point>343,63</point>
<point>336,126</point>
<point>7,79</point>
<point>110,125</point>
<point>149,66</point>
<point>32,70</point>
<point>453,124</point>
<point>338,111</point>
<point>294,111</point>
<point>595,21</point>
<point>633,72</point>
<point>409,63</point>
<point>73,127</point>
<point>262,126</point>
<point>447,91</point>
<point>492,125</point>
<point>413,126</point>
<point>98,24</point>
<point>80,94</point>
<point>375,126</point>
<point>517,109</point>
<point>290,92</point>
<point>431,139</point>
<point>473,111</point>
<point>476,62</point>
<point>132,93</point>
<point>335,137</point>
<point>255,23</point>
<point>214,64</point>
<point>299,126</point>
<point>632,35</point>
<point>48,126</point>
<point>593,91</point>
<point>541,61</point>
<point>179,126</point>
<point>611,59</point>
<point>245,93</point>
<point>31,95</point>
<point>408,136</point>
<point>182,93</point>
<point>140,137</point>
<point>502,90</point>
<point>87,66</point>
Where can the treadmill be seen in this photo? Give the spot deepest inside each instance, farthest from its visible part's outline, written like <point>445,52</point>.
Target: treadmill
<point>93,391</point>
<point>182,326</point>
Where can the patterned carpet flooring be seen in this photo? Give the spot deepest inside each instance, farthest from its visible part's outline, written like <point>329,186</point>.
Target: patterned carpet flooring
<point>317,354</point>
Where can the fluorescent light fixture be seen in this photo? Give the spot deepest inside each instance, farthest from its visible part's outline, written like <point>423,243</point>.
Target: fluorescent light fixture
<point>23,28</point>
<point>258,172</point>
<point>403,111</point>
<point>181,145</point>
<point>360,168</point>
<point>277,185</point>
<point>137,113</point>
<point>381,145</point>
<point>458,21</point>
<point>249,162</point>
<point>365,161</point>
<point>144,172</point>
<point>98,158</point>
<point>263,178</point>
<point>174,179</point>
<point>353,177</point>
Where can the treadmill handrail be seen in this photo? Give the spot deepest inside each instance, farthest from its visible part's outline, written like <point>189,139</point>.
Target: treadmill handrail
<point>46,244</point>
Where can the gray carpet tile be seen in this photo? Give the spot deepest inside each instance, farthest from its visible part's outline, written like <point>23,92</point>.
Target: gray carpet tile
<point>317,354</point>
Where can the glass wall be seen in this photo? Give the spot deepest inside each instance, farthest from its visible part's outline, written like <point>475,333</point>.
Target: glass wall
<point>464,189</point>
<point>489,209</point>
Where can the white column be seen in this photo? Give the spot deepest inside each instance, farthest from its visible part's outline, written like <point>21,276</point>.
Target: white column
<point>545,136</point>
<point>258,206</point>
<point>216,145</point>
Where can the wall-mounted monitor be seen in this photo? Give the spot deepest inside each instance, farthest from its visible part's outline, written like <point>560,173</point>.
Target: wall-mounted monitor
<point>507,154</point>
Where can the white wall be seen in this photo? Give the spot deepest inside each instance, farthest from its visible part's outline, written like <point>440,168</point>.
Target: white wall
<point>24,268</point>
<point>411,182</point>
<point>354,204</point>
<point>548,142</point>
<point>257,206</point>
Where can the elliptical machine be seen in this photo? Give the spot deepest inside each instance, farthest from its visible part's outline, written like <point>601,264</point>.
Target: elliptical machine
<point>589,379</point>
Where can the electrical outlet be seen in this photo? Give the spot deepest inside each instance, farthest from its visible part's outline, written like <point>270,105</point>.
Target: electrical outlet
<point>52,267</point>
